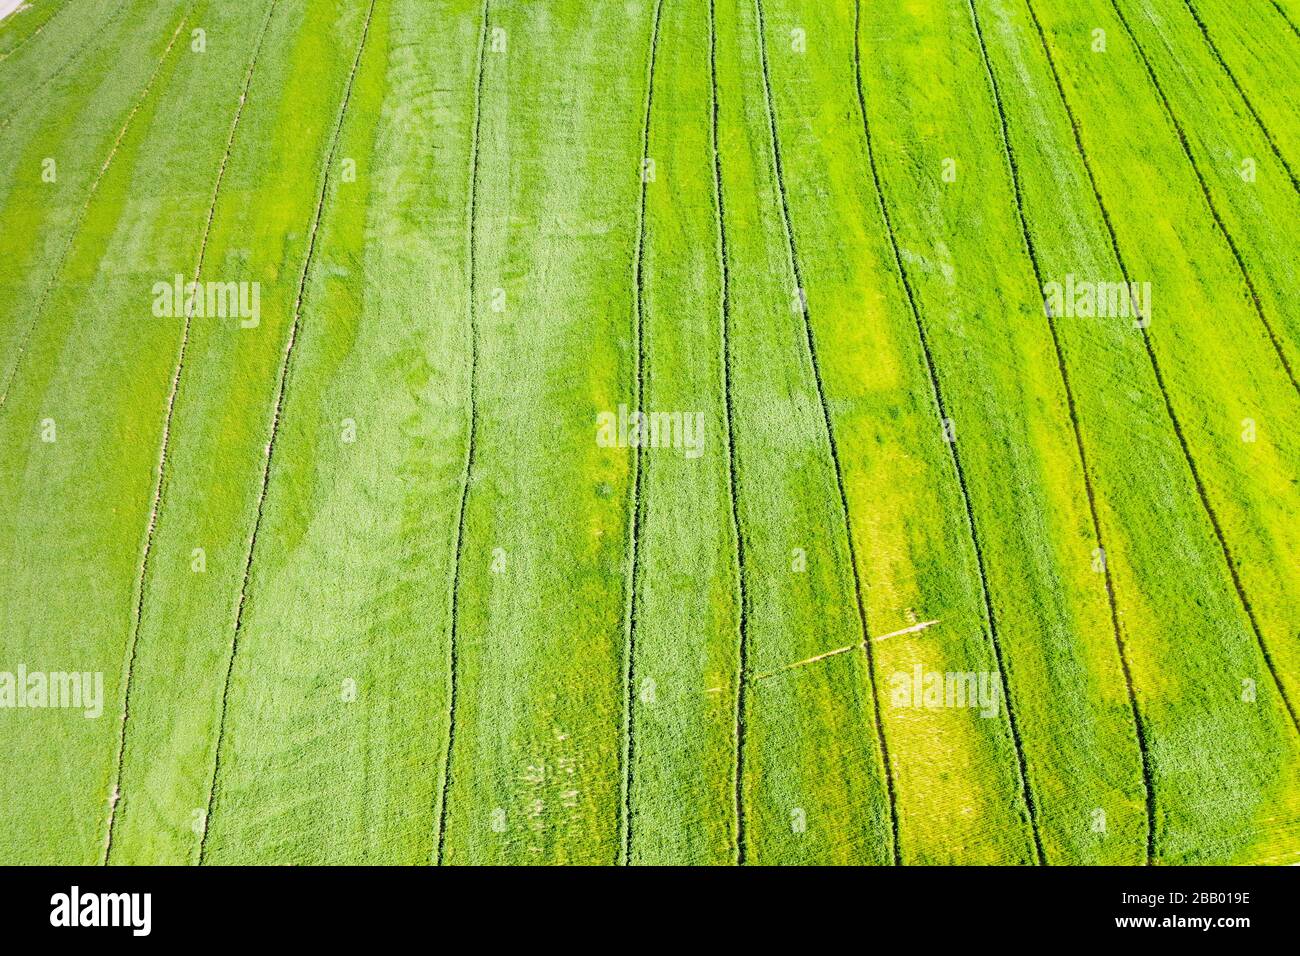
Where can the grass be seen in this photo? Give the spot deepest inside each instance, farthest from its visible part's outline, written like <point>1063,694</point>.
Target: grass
<point>365,584</point>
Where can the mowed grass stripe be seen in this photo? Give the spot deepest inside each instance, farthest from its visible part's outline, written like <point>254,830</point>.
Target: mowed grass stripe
<point>471,308</point>
<point>1147,784</point>
<point>276,412</point>
<point>636,507</point>
<point>1249,182</point>
<point>543,601</point>
<point>922,845</point>
<point>1273,336</point>
<point>990,620</point>
<point>811,342</point>
<point>156,501</point>
<point>1254,113</point>
<point>1244,484</point>
<point>68,141</point>
<point>218,440</point>
<point>339,704</point>
<point>866,631</point>
<point>1278,346</point>
<point>1262,52</point>
<point>683,779</point>
<point>1181,754</point>
<point>647,654</point>
<point>145,222</point>
<point>85,208</point>
<point>806,797</point>
<point>13,26</point>
<point>1255,298</point>
<point>1010,420</point>
<point>30,93</point>
<point>729,418</point>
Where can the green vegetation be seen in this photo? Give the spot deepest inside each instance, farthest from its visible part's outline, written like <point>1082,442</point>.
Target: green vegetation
<point>375,569</point>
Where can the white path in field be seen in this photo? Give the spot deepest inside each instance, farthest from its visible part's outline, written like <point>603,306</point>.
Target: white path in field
<point>9,6</point>
<point>842,650</point>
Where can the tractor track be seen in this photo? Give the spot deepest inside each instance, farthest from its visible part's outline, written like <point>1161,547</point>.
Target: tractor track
<point>1160,382</point>
<point>1209,201</point>
<point>811,342</point>
<point>636,506</point>
<point>941,407</point>
<point>156,504</point>
<point>471,310</point>
<point>278,409</point>
<point>1138,721</point>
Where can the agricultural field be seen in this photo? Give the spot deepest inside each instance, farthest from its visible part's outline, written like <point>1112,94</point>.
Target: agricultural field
<point>650,432</point>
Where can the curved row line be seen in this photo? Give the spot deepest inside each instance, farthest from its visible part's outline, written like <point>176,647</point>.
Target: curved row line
<point>941,407</point>
<point>81,216</point>
<point>1200,487</point>
<point>733,471</point>
<point>444,789</point>
<point>1138,721</point>
<point>1259,121</point>
<point>277,413</point>
<point>156,503</point>
<point>1209,199</point>
<point>636,504</point>
<point>811,342</point>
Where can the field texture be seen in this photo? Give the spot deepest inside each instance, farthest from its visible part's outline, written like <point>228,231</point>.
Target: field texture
<point>650,432</point>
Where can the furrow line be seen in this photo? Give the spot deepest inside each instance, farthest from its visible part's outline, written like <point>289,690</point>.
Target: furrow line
<point>1289,22</point>
<point>719,209</point>
<point>156,503</point>
<point>1209,200</point>
<point>277,412</point>
<point>1160,381</point>
<point>1138,722</point>
<point>636,506</point>
<point>81,217</point>
<point>896,849</point>
<point>811,342</point>
<point>1259,121</point>
<point>941,407</point>
<point>471,218</point>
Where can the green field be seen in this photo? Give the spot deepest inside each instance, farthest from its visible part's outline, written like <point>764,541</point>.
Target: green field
<point>650,432</point>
